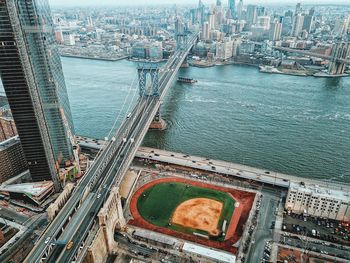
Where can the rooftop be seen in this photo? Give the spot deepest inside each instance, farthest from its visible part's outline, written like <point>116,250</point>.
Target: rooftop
<point>209,253</point>
<point>314,189</point>
<point>9,142</point>
<point>32,189</point>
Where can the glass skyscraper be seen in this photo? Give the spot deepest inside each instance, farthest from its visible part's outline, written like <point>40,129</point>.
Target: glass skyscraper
<point>31,72</point>
<point>232,7</point>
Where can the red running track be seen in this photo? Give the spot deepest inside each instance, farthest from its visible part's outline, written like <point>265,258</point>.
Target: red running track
<point>237,222</point>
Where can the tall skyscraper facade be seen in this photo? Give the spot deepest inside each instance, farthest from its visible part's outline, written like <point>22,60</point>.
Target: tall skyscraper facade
<point>32,76</point>
<point>205,31</point>
<point>297,25</point>
<point>251,14</point>
<point>211,20</point>
<point>232,7</point>
<point>307,23</point>
<point>240,10</point>
<point>276,30</point>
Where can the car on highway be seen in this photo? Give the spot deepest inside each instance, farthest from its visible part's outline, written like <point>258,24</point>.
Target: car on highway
<point>47,240</point>
<point>69,245</point>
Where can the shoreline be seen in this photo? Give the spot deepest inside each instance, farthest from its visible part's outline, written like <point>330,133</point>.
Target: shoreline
<point>93,58</point>
<point>316,75</point>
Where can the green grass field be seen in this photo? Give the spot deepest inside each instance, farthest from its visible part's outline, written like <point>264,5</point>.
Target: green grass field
<point>157,203</point>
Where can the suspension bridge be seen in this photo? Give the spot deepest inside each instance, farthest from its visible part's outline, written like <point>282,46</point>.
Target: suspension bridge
<point>73,223</point>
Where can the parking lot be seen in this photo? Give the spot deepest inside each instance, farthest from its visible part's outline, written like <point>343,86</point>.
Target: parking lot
<point>324,229</point>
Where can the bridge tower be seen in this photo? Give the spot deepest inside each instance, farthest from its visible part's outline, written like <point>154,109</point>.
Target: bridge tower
<point>181,37</point>
<point>148,79</point>
<point>149,86</point>
<point>340,51</point>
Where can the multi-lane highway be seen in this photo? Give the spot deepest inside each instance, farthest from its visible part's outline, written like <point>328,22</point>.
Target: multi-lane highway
<point>66,234</point>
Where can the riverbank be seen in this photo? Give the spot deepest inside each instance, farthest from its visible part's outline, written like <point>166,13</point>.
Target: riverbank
<point>269,69</point>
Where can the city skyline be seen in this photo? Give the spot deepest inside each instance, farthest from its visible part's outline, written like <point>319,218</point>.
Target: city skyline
<point>184,2</point>
<point>184,132</point>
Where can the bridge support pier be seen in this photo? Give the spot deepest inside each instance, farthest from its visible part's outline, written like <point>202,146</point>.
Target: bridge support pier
<point>185,64</point>
<point>158,123</point>
<point>340,51</point>
<point>110,218</point>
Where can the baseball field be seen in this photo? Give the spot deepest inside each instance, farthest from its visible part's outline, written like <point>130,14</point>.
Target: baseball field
<point>187,208</point>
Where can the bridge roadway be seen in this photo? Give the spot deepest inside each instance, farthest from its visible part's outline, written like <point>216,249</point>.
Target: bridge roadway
<point>312,54</point>
<point>76,218</point>
<point>235,170</point>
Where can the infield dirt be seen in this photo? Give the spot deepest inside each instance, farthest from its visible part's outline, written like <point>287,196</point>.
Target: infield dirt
<point>199,213</point>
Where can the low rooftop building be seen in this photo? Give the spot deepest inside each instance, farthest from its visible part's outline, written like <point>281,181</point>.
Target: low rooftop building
<point>12,160</point>
<point>318,201</point>
<point>31,193</point>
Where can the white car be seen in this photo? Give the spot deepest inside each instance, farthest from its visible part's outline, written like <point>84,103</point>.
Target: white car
<point>47,240</point>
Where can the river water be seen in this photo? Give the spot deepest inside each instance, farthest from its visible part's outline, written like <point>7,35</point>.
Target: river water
<point>288,124</point>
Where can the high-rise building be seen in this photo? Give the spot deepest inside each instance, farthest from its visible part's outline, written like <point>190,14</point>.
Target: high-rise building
<point>289,14</point>
<point>205,31</point>
<point>298,9</point>
<point>31,72</point>
<point>276,30</point>
<point>251,14</point>
<point>211,20</point>
<point>193,16</point>
<point>263,22</point>
<point>297,25</point>
<point>224,49</point>
<point>307,23</point>
<point>232,8</point>
<point>341,26</point>
<point>240,10</point>
<point>260,11</point>
<point>312,11</point>
<point>200,12</point>
<point>219,14</point>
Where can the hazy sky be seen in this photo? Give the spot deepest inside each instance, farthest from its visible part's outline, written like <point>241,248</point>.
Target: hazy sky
<point>151,2</point>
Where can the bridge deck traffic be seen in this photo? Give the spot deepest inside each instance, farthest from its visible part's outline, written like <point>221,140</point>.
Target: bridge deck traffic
<point>233,169</point>
<point>107,170</point>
